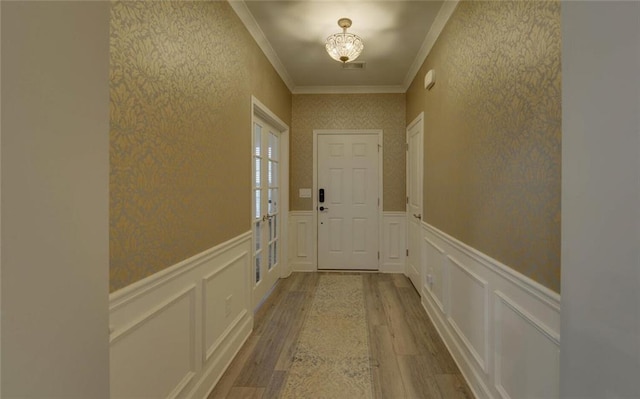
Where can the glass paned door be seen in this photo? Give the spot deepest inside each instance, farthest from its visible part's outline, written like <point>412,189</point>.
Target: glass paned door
<point>266,213</point>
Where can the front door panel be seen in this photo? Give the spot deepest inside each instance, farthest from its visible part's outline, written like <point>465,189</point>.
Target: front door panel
<point>348,216</point>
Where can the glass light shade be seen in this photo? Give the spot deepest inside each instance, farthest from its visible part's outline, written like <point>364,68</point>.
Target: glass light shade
<point>344,47</point>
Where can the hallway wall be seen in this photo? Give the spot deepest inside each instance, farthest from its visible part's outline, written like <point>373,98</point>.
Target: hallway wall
<point>181,79</point>
<point>349,111</point>
<point>493,133</point>
<point>600,355</point>
<point>55,168</point>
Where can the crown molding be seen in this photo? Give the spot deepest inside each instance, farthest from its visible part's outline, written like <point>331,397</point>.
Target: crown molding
<point>258,35</point>
<point>347,89</point>
<point>447,9</point>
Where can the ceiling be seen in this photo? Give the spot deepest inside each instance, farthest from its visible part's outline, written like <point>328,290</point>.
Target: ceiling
<point>397,37</point>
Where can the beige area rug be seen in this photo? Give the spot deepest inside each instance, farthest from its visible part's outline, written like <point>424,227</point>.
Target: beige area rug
<point>332,357</point>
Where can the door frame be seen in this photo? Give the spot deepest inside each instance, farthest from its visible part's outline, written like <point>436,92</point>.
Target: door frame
<point>259,110</point>
<point>418,120</point>
<point>314,196</point>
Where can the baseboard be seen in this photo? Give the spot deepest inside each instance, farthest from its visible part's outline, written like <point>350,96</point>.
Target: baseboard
<point>501,327</point>
<point>174,333</point>
<point>303,266</point>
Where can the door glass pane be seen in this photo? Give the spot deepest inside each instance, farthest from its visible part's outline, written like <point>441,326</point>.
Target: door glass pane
<point>257,171</point>
<point>273,198</point>
<point>270,230</point>
<point>273,174</point>
<point>270,256</point>
<point>273,146</point>
<point>275,226</point>
<point>257,204</point>
<point>275,253</point>
<point>257,139</point>
<point>256,235</point>
<point>258,259</point>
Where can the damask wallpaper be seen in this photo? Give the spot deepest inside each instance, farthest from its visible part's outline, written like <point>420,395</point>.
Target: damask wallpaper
<point>349,111</point>
<point>181,78</point>
<point>493,133</point>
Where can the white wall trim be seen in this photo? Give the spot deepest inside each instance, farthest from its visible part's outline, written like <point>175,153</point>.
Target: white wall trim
<point>258,35</point>
<point>480,358</point>
<point>548,332</point>
<point>128,328</point>
<point>182,385</point>
<point>209,351</point>
<point>473,376</point>
<point>348,89</point>
<point>233,326</point>
<point>124,295</point>
<point>447,9</point>
<point>428,289</point>
<point>302,242</point>
<point>514,321</point>
<point>184,306</point>
<point>394,242</point>
<point>551,336</point>
<point>543,293</point>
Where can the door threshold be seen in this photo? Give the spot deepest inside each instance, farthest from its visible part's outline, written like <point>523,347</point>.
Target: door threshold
<point>348,271</point>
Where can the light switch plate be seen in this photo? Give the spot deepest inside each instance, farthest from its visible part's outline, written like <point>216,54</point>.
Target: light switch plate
<point>304,193</point>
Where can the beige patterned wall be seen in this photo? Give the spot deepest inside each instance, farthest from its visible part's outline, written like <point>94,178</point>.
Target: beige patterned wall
<point>349,111</point>
<point>493,133</point>
<point>181,78</point>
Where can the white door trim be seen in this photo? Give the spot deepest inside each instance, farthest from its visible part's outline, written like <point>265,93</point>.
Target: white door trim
<point>418,120</point>
<point>314,195</point>
<point>259,110</point>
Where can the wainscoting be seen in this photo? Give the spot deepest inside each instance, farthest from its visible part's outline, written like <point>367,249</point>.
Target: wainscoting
<point>302,241</point>
<point>501,327</point>
<point>303,251</point>
<point>174,333</point>
<point>393,248</point>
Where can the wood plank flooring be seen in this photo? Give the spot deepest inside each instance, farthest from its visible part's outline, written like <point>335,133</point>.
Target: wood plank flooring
<point>408,358</point>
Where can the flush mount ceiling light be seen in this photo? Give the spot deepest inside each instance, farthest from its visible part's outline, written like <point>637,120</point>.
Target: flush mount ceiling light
<point>344,47</point>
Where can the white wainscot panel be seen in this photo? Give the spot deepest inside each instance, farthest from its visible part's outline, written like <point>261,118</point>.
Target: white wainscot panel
<point>529,370</point>
<point>506,347</point>
<point>302,241</point>
<point>174,333</point>
<point>434,274</point>
<point>164,336</point>
<point>469,310</point>
<point>223,308</point>
<point>393,246</point>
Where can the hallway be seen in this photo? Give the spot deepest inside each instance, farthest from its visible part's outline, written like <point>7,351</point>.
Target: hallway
<point>407,358</point>
<point>128,256</point>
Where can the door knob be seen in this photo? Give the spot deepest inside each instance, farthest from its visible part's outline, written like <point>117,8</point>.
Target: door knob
<point>418,216</point>
<point>322,208</point>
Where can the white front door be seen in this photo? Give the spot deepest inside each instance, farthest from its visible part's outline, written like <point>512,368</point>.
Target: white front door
<point>348,201</point>
<point>266,210</point>
<point>414,199</point>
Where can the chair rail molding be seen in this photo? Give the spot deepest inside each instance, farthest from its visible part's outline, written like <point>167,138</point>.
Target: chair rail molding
<point>501,327</point>
<point>174,333</point>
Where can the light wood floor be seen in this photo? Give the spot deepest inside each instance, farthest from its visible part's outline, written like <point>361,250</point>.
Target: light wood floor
<point>408,358</point>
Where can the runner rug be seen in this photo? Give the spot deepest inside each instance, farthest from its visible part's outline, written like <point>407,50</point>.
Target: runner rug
<point>332,356</point>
